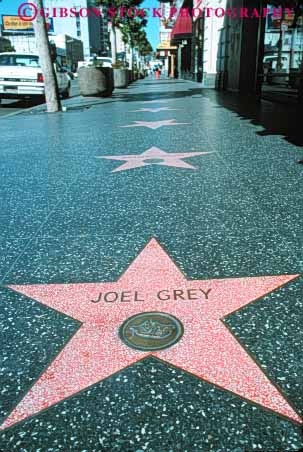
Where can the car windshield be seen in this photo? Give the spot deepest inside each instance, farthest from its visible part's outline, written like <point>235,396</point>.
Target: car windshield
<point>19,60</point>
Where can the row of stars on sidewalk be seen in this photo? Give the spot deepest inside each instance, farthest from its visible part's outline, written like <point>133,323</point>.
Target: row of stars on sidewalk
<point>154,155</point>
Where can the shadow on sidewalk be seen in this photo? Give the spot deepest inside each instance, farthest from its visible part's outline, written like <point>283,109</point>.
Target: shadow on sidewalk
<point>275,118</point>
<point>80,103</point>
<point>157,95</point>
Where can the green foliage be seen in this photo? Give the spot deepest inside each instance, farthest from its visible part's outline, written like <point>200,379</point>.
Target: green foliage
<point>6,46</point>
<point>132,28</point>
<point>9,48</point>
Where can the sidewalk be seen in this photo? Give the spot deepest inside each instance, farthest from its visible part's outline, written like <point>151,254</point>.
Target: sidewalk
<point>161,199</point>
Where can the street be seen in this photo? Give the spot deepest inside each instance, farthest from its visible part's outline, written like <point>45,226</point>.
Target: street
<point>151,263</point>
<point>8,107</point>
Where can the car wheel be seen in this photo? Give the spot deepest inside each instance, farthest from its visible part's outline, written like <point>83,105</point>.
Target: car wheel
<point>38,99</point>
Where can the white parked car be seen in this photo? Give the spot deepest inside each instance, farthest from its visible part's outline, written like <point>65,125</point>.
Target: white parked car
<point>106,62</point>
<point>21,77</point>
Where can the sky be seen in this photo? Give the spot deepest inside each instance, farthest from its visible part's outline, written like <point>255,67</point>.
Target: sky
<point>153,24</point>
<point>11,7</point>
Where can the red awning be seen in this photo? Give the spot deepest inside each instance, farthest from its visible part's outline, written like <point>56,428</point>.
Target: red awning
<point>182,28</point>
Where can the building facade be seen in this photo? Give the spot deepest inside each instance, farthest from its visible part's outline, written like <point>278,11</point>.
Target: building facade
<point>263,54</point>
<point>238,54</point>
<point>21,34</point>
<point>196,37</point>
<point>166,51</point>
<point>104,34</point>
<point>207,42</point>
<point>90,30</point>
<point>86,29</point>
<point>69,50</point>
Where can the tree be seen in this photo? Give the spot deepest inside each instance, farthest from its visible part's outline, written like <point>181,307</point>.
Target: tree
<point>6,45</point>
<point>135,36</point>
<point>50,80</point>
<point>142,44</point>
<point>113,41</point>
<point>127,25</point>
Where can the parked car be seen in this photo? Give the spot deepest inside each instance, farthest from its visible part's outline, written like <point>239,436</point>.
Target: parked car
<point>21,77</point>
<point>68,71</point>
<point>105,61</point>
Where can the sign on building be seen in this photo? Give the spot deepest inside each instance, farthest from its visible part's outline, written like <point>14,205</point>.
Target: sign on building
<point>15,24</point>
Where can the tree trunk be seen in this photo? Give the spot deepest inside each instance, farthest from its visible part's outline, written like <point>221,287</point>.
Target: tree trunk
<point>50,80</point>
<point>131,56</point>
<point>113,41</point>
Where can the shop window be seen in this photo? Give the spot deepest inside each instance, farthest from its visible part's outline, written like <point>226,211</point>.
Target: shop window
<point>283,44</point>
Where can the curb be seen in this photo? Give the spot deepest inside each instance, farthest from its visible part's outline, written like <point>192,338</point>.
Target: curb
<point>20,112</point>
<point>27,110</point>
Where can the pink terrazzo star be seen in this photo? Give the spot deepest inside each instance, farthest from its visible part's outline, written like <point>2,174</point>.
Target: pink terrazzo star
<point>156,124</point>
<point>154,110</point>
<point>153,156</point>
<point>152,282</point>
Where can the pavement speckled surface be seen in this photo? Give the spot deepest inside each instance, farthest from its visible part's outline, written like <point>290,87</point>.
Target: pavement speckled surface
<point>67,218</point>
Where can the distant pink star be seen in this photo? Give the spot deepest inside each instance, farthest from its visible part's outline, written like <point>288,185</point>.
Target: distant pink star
<point>154,110</point>
<point>153,156</point>
<point>156,124</point>
<point>207,349</point>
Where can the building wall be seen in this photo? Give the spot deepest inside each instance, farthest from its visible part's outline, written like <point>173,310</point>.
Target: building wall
<point>94,31</point>
<point>86,29</point>
<point>212,26</point>
<point>119,42</point>
<point>237,58</point>
<point>104,33</point>
<point>23,43</point>
<point>234,44</point>
<point>69,50</point>
<point>165,25</point>
<point>164,49</point>
<point>249,55</point>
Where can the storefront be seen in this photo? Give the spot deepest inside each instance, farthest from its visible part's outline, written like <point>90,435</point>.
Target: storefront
<point>181,37</point>
<point>264,55</point>
<point>197,40</point>
<point>197,44</point>
<point>166,53</point>
<point>283,56</point>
